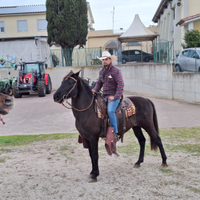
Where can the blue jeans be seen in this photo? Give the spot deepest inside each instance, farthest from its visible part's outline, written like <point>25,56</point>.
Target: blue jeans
<point>111,107</point>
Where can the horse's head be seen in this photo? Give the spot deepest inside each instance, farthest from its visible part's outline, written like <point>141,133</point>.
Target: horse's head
<point>6,104</point>
<point>68,87</point>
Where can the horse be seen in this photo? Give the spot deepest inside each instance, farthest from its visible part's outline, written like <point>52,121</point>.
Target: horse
<point>90,126</point>
<point>6,104</point>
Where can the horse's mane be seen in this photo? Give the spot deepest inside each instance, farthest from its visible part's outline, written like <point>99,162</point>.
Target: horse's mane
<point>84,84</point>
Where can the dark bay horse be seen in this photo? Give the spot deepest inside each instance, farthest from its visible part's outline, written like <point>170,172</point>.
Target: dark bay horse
<point>90,126</point>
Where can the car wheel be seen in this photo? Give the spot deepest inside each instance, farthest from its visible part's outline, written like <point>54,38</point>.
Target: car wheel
<point>199,69</point>
<point>123,61</point>
<point>146,59</point>
<point>177,68</point>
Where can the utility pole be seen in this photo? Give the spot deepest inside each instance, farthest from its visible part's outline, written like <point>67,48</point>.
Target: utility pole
<point>113,17</point>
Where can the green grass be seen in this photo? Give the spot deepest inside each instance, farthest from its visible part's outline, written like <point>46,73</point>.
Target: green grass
<point>16,140</point>
<point>181,133</point>
<point>166,170</point>
<point>182,139</point>
<point>173,139</point>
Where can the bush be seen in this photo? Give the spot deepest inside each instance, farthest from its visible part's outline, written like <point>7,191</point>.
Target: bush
<point>192,39</point>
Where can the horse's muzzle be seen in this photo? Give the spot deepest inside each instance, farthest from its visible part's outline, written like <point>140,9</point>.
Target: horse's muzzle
<point>58,98</point>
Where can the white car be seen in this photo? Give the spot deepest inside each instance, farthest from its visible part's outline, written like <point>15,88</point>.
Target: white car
<point>188,60</point>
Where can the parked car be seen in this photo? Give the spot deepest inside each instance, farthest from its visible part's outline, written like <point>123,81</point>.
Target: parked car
<point>136,55</point>
<point>188,60</point>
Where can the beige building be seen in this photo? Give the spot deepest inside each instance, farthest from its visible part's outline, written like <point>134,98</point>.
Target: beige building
<point>174,18</point>
<point>23,33</point>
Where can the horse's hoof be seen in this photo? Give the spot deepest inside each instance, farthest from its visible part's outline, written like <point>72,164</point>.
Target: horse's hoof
<point>90,176</point>
<point>164,165</point>
<point>136,166</point>
<point>92,180</point>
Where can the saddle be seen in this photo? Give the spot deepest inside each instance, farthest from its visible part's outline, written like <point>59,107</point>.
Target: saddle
<point>125,107</point>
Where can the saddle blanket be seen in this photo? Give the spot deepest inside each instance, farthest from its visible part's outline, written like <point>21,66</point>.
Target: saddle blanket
<point>129,109</point>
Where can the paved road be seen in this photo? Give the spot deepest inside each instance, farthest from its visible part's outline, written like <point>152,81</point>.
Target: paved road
<point>36,115</point>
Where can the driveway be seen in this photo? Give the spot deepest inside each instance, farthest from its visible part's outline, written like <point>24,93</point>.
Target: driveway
<point>36,115</point>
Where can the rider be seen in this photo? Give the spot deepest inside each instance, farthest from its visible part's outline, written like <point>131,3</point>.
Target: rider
<point>110,78</point>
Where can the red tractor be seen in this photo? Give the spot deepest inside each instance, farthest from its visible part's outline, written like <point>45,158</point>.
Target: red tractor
<point>32,78</point>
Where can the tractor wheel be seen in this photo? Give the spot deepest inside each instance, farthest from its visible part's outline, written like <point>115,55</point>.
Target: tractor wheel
<point>9,91</point>
<point>48,86</point>
<point>15,93</point>
<point>41,88</point>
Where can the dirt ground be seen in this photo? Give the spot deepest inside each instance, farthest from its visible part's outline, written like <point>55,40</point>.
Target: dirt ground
<point>59,169</point>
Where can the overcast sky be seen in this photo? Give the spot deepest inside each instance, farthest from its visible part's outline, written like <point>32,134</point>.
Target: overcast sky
<point>102,11</point>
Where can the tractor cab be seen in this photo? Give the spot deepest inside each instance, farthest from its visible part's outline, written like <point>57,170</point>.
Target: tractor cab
<point>32,70</point>
<point>32,77</point>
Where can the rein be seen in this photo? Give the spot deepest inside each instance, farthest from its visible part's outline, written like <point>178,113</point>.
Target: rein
<point>72,107</point>
<point>2,120</point>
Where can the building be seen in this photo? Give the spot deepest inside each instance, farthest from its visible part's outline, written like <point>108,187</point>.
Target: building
<point>174,18</point>
<point>23,33</point>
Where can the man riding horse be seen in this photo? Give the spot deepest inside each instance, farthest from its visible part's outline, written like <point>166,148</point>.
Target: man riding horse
<point>110,78</point>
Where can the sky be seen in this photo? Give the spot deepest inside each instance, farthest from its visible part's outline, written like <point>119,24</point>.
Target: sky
<point>102,11</point>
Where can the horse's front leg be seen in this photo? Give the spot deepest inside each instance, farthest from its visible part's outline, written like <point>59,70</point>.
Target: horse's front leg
<point>93,151</point>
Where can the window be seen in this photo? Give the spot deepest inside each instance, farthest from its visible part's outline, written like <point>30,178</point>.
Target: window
<point>191,53</point>
<point>22,25</point>
<point>137,52</point>
<point>185,53</point>
<point>41,68</point>
<point>42,24</point>
<point>2,27</point>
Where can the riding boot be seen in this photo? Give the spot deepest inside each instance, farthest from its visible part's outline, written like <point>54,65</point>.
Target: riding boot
<point>115,136</point>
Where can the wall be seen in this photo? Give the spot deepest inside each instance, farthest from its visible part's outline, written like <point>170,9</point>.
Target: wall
<point>156,80</point>
<point>26,49</point>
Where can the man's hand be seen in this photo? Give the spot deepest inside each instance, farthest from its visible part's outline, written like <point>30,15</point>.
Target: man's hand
<point>110,98</point>
<point>93,91</point>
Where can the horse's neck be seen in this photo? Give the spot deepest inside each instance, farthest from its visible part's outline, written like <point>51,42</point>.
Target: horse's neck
<point>83,97</point>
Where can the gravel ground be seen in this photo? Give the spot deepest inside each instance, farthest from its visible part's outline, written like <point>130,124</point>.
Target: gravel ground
<point>59,169</point>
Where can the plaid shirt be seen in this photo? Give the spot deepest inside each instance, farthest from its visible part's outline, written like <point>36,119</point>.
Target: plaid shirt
<point>112,82</point>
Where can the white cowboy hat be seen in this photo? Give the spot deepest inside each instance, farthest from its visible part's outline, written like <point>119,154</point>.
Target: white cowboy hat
<point>106,54</point>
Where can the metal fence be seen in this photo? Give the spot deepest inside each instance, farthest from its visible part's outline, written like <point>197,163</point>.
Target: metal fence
<point>163,52</point>
<point>76,56</point>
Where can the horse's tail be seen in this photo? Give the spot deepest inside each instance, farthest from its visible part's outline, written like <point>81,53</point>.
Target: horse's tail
<point>155,121</point>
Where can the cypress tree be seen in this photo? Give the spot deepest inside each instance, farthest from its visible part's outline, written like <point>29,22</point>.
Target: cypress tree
<point>67,24</point>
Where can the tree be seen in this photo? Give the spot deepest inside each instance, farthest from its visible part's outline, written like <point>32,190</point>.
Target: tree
<point>67,25</point>
<point>192,39</point>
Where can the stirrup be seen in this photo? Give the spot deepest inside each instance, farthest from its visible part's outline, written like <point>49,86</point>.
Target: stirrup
<point>115,136</point>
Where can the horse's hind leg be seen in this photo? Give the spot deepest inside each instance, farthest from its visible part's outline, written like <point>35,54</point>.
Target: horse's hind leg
<point>156,142</point>
<point>162,151</point>
<point>141,139</point>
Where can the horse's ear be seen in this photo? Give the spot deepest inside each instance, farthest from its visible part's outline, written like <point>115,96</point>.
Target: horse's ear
<point>76,75</point>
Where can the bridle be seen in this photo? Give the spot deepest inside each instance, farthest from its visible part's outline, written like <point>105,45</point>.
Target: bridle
<point>64,97</point>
